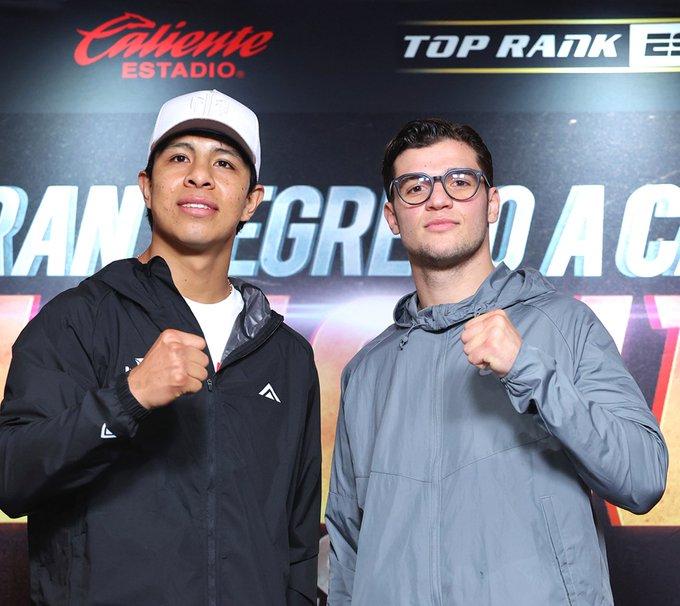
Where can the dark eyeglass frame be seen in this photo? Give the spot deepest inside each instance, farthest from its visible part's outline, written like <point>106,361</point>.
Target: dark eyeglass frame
<point>479,174</point>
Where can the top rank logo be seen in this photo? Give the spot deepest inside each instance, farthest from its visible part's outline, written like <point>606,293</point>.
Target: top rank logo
<point>541,46</point>
<point>131,35</point>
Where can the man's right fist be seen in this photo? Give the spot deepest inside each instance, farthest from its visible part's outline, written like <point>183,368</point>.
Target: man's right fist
<point>174,365</point>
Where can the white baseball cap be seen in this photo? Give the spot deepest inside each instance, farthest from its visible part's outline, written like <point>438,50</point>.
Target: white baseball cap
<point>209,110</point>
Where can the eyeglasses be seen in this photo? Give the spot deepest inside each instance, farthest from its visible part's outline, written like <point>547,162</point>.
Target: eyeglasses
<point>461,184</point>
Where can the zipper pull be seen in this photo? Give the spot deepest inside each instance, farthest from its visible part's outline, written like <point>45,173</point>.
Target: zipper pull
<point>209,384</point>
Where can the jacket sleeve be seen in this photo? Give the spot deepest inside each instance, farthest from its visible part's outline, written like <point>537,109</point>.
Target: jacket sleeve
<point>57,425</point>
<point>598,414</point>
<point>304,521</point>
<point>343,514</point>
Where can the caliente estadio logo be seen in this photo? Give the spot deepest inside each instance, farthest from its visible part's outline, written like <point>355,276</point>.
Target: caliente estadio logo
<point>169,50</point>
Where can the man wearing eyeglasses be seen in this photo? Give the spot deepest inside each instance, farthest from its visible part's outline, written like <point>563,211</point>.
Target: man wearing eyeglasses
<point>472,431</point>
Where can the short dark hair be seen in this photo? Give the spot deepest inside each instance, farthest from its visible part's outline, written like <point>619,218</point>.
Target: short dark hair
<point>426,132</point>
<point>222,137</point>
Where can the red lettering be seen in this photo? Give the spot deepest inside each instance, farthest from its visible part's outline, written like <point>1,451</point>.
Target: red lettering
<point>179,71</point>
<point>164,66</point>
<point>186,44</point>
<point>147,70</point>
<point>166,46</point>
<point>220,44</point>
<point>198,70</point>
<point>256,44</point>
<point>130,43</point>
<point>129,69</point>
<point>162,41</point>
<point>106,30</point>
<point>154,41</point>
<point>226,69</point>
<point>210,40</point>
<point>237,41</point>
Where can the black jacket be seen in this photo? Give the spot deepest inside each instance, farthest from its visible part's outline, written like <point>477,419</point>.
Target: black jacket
<point>213,499</point>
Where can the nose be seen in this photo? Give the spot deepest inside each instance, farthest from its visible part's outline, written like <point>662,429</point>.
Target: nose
<point>439,198</point>
<point>199,175</point>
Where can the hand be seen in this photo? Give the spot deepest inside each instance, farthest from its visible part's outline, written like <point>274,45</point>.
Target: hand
<point>174,365</point>
<point>491,341</point>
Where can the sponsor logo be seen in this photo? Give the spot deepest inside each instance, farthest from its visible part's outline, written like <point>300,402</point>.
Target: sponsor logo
<point>268,392</point>
<point>167,50</point>
<point>106,433</point>
<point>548,46</point>
<point>656,44</point>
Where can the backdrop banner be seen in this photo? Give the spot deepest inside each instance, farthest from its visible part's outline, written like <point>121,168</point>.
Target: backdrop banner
<point>580,108</point>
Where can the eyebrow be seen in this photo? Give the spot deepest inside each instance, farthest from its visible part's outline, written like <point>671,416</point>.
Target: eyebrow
<point>217,148</point>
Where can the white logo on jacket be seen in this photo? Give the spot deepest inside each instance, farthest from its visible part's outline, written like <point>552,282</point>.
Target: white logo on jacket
<point>106,433</point>
<point>268,392</point>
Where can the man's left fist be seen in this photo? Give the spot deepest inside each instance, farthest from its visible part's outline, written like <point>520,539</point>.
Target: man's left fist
<point>491,341</point>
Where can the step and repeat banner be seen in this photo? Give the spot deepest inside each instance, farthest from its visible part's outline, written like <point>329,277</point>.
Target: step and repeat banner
<point>580,109</point>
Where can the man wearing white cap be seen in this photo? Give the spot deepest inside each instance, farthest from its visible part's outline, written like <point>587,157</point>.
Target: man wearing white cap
<point>161,423</point>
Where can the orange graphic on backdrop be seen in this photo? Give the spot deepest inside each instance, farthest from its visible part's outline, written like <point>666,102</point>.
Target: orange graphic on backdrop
<point>15,312</point>
<point>350,325</point>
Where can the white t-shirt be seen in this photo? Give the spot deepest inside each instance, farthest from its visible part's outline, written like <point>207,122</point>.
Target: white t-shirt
<point>217,321</point>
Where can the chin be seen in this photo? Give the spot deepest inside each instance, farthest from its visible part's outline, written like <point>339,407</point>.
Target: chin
<point>429,258</point>
<point>196,243</point>
<point>205,244</point>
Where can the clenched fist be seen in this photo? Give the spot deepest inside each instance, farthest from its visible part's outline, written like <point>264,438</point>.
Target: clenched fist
<point>491,341</point>
<point>174,365</point>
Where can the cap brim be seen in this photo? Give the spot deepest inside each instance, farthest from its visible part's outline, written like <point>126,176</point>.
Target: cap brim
<point>207,127</point>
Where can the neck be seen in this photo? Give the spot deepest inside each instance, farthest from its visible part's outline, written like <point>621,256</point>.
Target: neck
<point>199,276</point>
<point>451,284</point>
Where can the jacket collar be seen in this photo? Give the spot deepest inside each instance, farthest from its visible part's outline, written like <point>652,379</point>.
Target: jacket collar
<point>501,289</point>
<point>150,285</point>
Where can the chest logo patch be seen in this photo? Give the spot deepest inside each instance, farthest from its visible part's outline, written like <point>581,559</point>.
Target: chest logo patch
<point>106,433</point>
<point>268,392</point>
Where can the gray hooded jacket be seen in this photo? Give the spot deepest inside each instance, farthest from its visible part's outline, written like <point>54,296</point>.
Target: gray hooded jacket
<point>450,486</point>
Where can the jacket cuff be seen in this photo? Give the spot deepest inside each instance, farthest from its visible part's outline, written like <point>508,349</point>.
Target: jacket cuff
<point>523,383</point>
<point>128,401</point>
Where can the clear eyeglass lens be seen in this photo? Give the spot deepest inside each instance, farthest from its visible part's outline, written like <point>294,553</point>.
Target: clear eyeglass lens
<point>415,189</point>
<point>461,184</point>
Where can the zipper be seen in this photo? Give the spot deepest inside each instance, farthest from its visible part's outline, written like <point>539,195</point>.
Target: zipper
<point>435,531</point>
<point>211,498</point>
<point>260,339</point>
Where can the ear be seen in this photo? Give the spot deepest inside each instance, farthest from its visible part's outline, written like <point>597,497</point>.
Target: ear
<point>493,207</point>
<point>391,217</point>
<point>145,185</point>
<point>253,200</point>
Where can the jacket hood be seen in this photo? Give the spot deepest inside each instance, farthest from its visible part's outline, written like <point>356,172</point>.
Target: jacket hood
<point>150,285</point>
<point>501,289</point>
<point>132,279</point>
